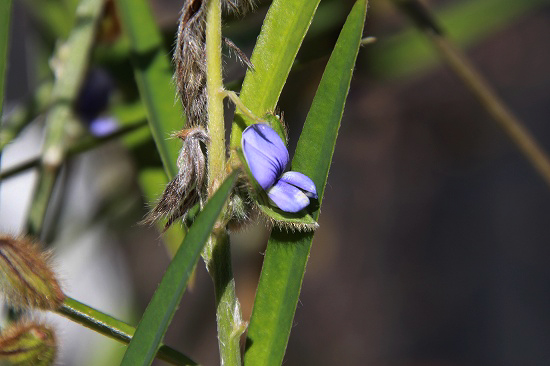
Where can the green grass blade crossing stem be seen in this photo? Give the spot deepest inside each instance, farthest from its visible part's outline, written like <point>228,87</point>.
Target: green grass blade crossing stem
<point>283,31</point>
<point>153,74</point>
<point>114,328</point>
<point>165,301</point>
<point>287,253</point>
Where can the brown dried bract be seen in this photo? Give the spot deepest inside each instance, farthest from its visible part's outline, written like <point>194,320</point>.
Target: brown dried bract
<point>190,57</point>
<point>190,61</point>
<point>188,187</point>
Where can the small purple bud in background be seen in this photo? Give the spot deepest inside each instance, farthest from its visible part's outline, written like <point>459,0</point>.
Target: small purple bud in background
<point>103,126</point>
<point>267,157</point>
<point>93,99</point>
<point>94,94</point>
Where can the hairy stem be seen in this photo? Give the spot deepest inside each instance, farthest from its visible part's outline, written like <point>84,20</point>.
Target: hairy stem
<point>214,85</point>
<point>217,254</point>
<point>114,328</point>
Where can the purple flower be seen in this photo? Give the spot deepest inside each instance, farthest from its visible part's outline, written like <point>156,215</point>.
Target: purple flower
<point>267,157</point>
<point>103,126</point>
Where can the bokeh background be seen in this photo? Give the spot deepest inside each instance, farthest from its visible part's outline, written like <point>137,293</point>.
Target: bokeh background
<point>433,246</point>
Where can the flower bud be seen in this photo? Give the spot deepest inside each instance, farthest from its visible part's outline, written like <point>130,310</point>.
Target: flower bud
<point>28,344</point>
<point>26,279</point>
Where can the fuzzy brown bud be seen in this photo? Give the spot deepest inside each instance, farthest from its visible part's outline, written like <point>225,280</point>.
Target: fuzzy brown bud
<point>28,344</point>
<point>187,187</point>
<point>26,279</point>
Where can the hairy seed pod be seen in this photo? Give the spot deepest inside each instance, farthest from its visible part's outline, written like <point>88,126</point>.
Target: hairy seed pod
<point>26,279</point>
<point>190,56</point>
<point>28,344</point>
<point>190,61</point>
<point>188,187</point>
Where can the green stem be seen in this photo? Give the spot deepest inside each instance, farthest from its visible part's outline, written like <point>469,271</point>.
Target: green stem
<point>479,87</point>
<point>21,115</point>
<point>217,254</point>
<point>73,61</point>
<point>240,105</point>
<point>81,146</point>
<point>114,328</point>
<point>216,130</point>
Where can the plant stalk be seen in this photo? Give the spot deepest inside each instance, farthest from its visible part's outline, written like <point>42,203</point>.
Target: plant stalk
<point>502,115</point>
<point>114,328</point>
<point>217,254</point>
<point>81,146</point>
<point>73,61</point>
<point>216,130</point>
<point>479,87</point>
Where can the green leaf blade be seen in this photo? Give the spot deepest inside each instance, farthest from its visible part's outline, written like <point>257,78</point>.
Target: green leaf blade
<point>287,253</point>
<point>163,305</point>
<point>154,78</point>
<point>283,31</point>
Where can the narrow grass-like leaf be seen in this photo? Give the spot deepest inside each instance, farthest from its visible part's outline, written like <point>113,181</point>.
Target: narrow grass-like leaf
<point>287,253</point>
<point>163,305</point>
<point>153,74</point>
<point>5,12</point>
<point>114,328</point>
<point>154,78</point>
<point>283,31</point>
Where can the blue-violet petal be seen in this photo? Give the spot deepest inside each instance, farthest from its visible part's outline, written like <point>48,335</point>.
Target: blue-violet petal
<point>287,197</point>
<point>301,181</point>
<point>265,153</point>
<point>103,126</point>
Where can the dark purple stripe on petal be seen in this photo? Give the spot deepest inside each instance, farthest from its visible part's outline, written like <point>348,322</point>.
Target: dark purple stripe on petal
<point>287,197</point>
<point>301,181</point>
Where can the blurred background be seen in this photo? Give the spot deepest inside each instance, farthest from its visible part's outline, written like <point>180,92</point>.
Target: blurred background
<point>433,245</point>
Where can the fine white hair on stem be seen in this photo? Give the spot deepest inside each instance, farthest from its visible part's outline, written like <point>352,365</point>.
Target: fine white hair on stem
<point>190,56</point>
<point>190,61</point>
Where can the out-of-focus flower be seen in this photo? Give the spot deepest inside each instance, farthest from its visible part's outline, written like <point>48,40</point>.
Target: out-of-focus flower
<point>28,344</point>
<point>93,100</point>
<point>267,157</point>
<point>103,126</point>
<point>93,97</point>
<point>26,279</point>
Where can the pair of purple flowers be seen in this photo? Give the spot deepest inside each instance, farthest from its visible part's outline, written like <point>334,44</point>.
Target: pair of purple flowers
<point>267,157</point>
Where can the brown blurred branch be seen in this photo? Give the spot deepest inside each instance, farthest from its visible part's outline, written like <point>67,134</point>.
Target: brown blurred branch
<point>477,84</point>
